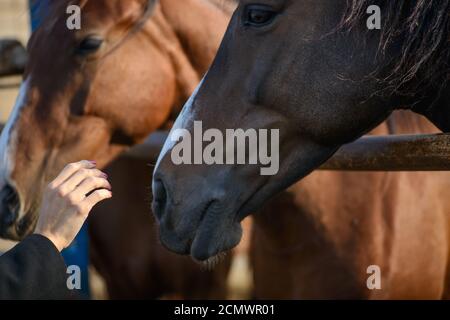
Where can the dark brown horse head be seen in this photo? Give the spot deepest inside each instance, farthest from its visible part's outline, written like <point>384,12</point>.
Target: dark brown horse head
<point>94,92</point>
<point>312,70</point>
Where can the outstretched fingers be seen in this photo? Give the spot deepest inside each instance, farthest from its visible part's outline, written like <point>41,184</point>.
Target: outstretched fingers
<point>81,177</point>
<point>70,170</point>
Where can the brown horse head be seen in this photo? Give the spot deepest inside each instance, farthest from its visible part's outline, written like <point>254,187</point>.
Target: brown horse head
<point>316,71</point>
<point>94,92</point>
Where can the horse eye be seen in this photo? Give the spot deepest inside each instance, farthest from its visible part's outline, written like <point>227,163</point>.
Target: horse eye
<point>257,15</point>
<point>89,45</point>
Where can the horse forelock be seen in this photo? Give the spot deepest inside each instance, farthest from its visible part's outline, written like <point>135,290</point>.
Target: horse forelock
<point>423,29</point>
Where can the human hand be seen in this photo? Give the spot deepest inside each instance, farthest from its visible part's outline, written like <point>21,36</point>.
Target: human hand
<point>68,199</point>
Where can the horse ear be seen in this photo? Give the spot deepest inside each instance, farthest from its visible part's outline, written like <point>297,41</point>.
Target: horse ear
<point>200,25</point>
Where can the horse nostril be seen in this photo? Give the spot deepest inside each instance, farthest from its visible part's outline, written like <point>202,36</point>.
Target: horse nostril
<point>9,209</point>
<point>159,198</point>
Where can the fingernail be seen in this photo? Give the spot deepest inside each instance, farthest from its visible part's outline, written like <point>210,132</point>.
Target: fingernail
<point>104,175</point>
<point>93,162</point>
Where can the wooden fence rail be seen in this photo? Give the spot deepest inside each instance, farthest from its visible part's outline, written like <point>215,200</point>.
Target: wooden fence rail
<point>394,153</point>
<point>373,153</point>
<point>423,152</point>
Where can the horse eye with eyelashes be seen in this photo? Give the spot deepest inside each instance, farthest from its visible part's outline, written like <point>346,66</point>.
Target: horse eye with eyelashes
<point>89,45</point>
<point>258,15</point>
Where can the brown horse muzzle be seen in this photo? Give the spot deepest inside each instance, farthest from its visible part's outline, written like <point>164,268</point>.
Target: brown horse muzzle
<point>9,212</point>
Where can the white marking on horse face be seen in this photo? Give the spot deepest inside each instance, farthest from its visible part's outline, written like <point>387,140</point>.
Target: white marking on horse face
<point>185,117</point>
<point>8,139</point>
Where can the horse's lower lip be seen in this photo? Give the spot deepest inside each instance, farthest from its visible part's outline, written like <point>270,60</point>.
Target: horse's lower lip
<point>211,242</point>
<point>201,247</point>
<point>213,261</point>
<point>201,252</point>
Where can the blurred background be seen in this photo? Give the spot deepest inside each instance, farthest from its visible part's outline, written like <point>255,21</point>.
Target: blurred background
<point>14,24</point>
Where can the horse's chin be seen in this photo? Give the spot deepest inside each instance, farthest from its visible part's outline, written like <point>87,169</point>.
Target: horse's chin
<point>210,245</point>
<point>210,263</point>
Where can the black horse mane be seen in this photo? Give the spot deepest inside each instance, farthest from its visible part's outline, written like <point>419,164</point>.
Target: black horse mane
<point>421,28</point>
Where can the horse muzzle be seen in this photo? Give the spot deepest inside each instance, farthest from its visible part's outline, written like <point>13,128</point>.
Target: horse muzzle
<point>10,227</point>
<point>199,226</point>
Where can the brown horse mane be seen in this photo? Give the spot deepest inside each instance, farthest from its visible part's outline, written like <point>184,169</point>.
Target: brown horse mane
<point>422,27</point>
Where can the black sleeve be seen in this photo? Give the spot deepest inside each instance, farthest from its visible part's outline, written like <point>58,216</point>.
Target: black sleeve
<point>33,269</point>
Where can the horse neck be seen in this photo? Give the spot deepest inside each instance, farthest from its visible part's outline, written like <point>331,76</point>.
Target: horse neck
<point>200,26</point>
<point>407,122</point>
<point>189,32</point>
<point>228,6</point>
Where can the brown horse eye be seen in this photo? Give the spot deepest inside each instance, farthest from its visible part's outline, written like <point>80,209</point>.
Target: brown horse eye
<point>89,45</point>
<point>259,15</point>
